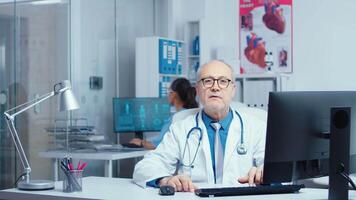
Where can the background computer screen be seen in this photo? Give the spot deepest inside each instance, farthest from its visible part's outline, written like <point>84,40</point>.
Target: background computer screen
<point>295,147</point>
<point>140,114</point>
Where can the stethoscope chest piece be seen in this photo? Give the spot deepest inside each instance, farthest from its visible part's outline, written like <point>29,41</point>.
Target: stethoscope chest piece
<point>241,149</point>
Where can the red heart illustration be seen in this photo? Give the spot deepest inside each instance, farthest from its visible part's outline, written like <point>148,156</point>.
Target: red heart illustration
<point>255,51</point>
<point>273,18</point>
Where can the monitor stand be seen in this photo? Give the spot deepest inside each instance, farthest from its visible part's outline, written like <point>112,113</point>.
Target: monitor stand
<point>139,134</point>
<point>340,125</point>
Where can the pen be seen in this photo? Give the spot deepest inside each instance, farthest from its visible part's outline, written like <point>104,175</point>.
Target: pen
<point>83,166</point>
<point>70,166</point>
<point>78,166</point>
<point>68,160</point>
<point>63,163</point>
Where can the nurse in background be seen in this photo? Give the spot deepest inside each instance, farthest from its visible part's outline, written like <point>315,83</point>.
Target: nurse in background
<point>182,96</point>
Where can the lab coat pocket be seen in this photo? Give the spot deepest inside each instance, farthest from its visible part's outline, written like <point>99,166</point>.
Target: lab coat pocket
<point>194,166</point>
<point>245,162</point>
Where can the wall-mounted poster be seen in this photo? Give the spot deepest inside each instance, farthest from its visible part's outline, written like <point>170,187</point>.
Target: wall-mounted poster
<point>265,36</point>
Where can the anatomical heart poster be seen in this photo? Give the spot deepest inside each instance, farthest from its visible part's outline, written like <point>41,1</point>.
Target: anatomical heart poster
<point>265,38</point>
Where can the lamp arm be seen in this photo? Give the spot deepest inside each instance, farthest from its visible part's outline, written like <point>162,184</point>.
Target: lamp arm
<point>10,118</point>
<point>29,104</point>
<point>18,145</point>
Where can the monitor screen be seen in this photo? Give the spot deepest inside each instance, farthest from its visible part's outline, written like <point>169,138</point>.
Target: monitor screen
<point>296,147</point>
<point>140,114</point>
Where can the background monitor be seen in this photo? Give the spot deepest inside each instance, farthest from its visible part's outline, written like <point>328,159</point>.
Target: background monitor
<point>140,114</point>
<point>296,143</point>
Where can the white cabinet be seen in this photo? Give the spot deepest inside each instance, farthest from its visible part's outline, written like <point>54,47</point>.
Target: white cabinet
<point>158,62</point>
<point>253,89</point>
<point>192,39</point>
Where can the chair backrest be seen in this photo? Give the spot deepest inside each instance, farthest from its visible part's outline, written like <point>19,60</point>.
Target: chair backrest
<point>184,113</point>
<point>257,112</point>
<point>237,105</point>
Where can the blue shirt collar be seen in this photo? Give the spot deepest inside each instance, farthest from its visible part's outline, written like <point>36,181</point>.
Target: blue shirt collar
<point>224,122</point>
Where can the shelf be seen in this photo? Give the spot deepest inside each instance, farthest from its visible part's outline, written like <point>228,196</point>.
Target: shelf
<point>194,56</point>
<point>173,75</point>
<point>261,76</point>
<point>192,40</point>
<point>254,88</point>
<point>266,75</point>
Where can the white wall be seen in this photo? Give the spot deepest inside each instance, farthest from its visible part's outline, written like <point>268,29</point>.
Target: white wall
<point>323,49</point>
<point>93,45</point>
<point>323,45</point>
<point>94,54</point>
<point>135,18</point>
<point>218,25</point>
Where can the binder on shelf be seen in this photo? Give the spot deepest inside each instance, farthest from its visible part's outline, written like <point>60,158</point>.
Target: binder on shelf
<point>158,62</point>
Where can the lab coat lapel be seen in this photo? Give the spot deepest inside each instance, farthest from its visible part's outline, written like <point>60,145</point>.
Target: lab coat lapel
<point>233,138</point>
<point>206,150</point>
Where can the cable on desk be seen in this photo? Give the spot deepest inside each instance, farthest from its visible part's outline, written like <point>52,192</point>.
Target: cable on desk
<point>18,179</point>
<point>347,177</point>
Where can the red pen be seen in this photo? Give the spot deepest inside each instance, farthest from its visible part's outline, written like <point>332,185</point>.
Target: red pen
<point>78,166</point>
<point>70,166</point>
<point>83,166</point>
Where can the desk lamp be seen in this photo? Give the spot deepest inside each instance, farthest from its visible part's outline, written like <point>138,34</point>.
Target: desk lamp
<point>67,102</point>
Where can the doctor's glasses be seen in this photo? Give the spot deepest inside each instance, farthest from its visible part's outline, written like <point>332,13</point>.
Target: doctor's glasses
<point>209,82</point>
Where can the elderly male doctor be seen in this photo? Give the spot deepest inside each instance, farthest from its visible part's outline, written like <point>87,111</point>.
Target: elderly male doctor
<point>186,157</point>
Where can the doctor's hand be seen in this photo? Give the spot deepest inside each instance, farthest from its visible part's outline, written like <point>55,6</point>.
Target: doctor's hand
<point>181,183</point>
<point>254,176</point>
<point>143,143</point>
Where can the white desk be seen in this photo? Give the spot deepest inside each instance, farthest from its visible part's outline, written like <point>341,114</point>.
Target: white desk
<point>108,157</point>
<point>118,188</point>
<point>324,181</point>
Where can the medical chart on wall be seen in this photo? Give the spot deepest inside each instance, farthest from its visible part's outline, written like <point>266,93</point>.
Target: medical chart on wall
<point>265,36</point>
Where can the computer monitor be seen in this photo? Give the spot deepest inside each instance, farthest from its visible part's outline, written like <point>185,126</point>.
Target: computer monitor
<point>297,144</point>
<point>140,114</point>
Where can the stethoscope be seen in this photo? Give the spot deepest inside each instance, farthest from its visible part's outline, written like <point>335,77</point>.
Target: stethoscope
<point>241,148</point>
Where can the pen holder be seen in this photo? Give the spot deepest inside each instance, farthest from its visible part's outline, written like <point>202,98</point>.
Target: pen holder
<point>73,181</point>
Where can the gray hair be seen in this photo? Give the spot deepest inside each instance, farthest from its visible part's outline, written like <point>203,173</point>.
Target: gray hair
<point>231,69</point>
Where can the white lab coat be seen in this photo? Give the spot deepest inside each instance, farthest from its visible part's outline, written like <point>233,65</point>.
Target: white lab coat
<point>162,161</point>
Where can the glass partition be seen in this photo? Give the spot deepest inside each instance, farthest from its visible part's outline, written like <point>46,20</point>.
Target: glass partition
<point>34,55</point>
<point>7,91</point>
<point>42,59</point>
<point>45,41</point>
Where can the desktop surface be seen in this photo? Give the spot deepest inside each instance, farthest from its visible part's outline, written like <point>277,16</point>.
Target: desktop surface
<point>118,188</point>
<point>108,157</point>
<point>324,181</point>
<point>93,155</point>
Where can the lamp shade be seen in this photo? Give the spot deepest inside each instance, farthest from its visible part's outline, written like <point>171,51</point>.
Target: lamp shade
<point>68,101</point>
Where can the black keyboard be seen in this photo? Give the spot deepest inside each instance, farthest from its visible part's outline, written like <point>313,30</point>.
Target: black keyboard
<point>131,145</point>
<point>251,190</point>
